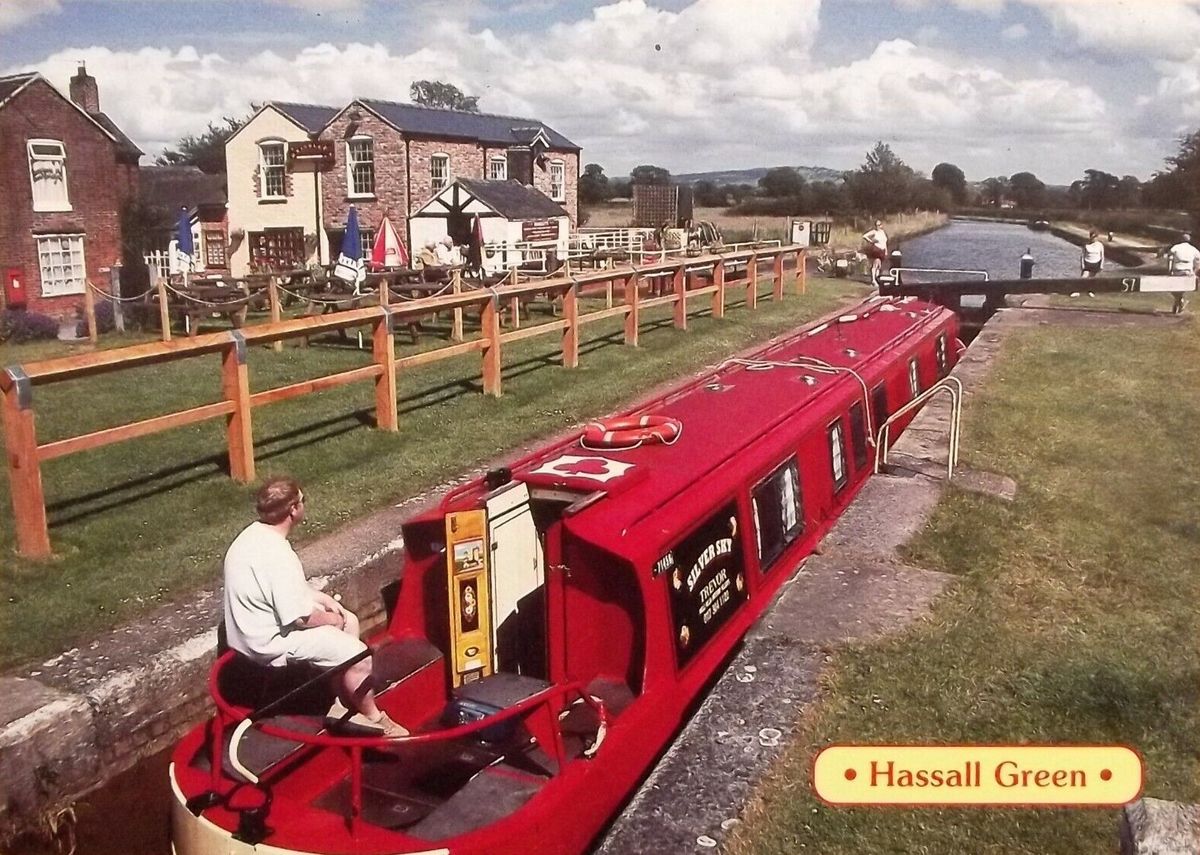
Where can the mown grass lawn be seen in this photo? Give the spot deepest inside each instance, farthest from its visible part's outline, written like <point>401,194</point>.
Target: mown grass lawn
<point>146,521</point>
<point>1074,616</point>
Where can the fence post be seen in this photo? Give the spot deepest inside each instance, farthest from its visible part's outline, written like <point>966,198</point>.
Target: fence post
<point>631,300</point>
<point>235,386</point>
<point>570,341</point>
<point>456,328</point>
<point>718,297</point>
<point>801,271</point>
<point>385,295</point>
<point>24,468</point>
<point>164,311</point>
<point>276,313</point>
<point>777,272</point>
<point>384,352</point>
<point>489,319</point>
<point>752,281</point>
<point>89,311</point>
<point>114,288</point>
<point>679,286</point>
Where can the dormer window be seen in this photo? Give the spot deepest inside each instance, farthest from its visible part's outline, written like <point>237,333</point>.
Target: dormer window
<point>360,166</point>
<point>48,175</point>
<point>498,168</point>
<point>271,170</point>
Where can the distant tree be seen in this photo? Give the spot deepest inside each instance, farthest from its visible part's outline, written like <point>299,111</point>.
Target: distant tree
<point>649,174</point>
<point>828,197</point>
<point>883,183</point>
<point>444,96</point>
<point>709,194</point>
<point>1185,177</point>
<point>782,181</point>
<point>622,188</point>
<point>1027,190</point>
<point>206,152</point>
<point>1129,192</point>
<point>1100,190</point>
<point>951,179</point>
<point>739,192</point>
<point>927,195</point>
<point>593,184</point>
<point>994,190</point>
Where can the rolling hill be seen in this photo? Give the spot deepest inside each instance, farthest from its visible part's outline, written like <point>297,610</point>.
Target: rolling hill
<point>751,176</point>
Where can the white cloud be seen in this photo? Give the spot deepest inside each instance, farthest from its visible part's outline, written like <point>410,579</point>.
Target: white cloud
<point>14,13</point>
<point>633,83</point>
<point>1150,28</point>
<point>1014,32</point>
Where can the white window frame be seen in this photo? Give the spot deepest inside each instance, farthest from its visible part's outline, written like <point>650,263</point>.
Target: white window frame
<point>366,242</point>
<point>914,377</point>
<point>439,183</point>
<point>837,455</point>
<point>558,190</point>
<point>44,201</point>
<point>264,166</point>
<point>500,174</point>
<point>72,277</point>
<point>351,163</point>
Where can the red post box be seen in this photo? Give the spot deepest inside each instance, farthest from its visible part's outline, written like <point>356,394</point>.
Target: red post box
<point>14,288</point>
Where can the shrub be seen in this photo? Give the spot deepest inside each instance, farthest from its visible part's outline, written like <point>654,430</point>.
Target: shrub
<point>105,320</point>
<point>22,326</point>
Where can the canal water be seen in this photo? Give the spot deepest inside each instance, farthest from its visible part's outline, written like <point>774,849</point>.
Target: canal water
<point>992,247</point>
<point>130,815</point>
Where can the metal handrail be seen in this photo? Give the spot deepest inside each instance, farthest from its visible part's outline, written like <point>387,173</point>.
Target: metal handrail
<point>983,274</point>
<point>954,388</point>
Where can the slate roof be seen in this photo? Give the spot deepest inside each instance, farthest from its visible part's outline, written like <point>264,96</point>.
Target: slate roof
<point>312,117</point>
<point>484,127</point>
<point>13,82</point>
<point>512,199</point>
<point>124,143</point>
<point>173,187</point>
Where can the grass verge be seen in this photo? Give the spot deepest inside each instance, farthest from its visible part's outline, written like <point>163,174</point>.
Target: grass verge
<point>146,521</point>
<point>1074,616</point>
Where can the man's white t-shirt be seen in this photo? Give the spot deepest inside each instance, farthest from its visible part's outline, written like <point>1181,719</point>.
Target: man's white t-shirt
<point>1183,258</point>
<point>265,593</point>
<point>877,238</point>
<point>1093,253</point>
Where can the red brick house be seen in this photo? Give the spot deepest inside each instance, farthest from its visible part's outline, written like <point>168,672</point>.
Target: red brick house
<point>65,171</point>
<point>392,158</point>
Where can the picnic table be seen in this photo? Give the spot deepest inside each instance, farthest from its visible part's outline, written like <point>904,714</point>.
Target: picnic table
<point>210,297</point>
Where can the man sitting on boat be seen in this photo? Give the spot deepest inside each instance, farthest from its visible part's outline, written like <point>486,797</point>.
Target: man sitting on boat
<point>275,618</point>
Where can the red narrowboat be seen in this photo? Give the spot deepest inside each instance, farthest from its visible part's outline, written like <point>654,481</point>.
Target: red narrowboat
<point>558,619</point>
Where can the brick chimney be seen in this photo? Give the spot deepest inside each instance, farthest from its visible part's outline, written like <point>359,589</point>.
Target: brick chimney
<point>84,91</point>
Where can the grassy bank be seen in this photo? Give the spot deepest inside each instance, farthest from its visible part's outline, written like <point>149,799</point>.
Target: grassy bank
<point>143,522</point>
<point>1073,619</point>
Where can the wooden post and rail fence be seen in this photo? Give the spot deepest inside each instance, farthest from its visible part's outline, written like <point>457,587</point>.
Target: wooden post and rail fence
<point>25,454</point>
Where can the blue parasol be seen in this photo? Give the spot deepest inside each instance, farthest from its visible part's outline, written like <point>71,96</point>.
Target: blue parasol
<point>349,267</point>
<point>183,241</point>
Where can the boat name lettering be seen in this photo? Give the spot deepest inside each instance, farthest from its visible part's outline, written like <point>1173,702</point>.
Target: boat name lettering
<point>664,564</point>
<point>713,551</point>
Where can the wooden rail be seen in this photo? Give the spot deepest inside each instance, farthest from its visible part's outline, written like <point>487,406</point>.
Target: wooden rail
<point>17,382</point>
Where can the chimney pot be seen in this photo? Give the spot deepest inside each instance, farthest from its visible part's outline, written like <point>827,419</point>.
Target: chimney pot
<point>84,91</point>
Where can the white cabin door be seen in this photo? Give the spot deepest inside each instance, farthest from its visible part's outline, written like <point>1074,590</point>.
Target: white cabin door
<point>518,583</point>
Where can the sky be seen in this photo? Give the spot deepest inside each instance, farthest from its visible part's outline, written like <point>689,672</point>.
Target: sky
<point>1053,87</point>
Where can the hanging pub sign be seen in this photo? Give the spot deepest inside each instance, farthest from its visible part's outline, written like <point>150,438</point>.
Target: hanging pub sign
<point>707,580</point>
<point>320,152</point>
<point>539,230</point>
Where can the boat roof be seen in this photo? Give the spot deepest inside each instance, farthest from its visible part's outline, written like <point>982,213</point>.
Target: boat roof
<point>723,412</point>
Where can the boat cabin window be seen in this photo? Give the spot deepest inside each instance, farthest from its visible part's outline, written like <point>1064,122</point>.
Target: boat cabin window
<point>940,353</point>
<point>778,512</point>
<point>914,377</point>
<point>879,406</point>
<point>707,581</point>
<point>837,454</point>
<point>858,435</point>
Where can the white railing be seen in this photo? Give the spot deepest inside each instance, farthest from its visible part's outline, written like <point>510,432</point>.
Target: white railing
<point>160,260</point>
<point>951,386</point>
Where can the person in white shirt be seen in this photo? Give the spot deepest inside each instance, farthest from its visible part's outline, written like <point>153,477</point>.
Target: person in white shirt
<point>274,617</point>
<point>1184,260</point>
<point>447,253</point>
<point>1092,258</point>
<point>875,246</point>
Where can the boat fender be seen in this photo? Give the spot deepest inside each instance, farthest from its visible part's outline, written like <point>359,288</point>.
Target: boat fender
<point>630,432</point>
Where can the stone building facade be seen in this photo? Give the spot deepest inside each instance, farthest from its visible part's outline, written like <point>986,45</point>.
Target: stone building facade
<point>66,171</point>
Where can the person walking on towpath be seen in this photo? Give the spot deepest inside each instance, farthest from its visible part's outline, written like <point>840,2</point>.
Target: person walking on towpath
<point>275,618</point>
<point>875,246</point>
<point>1092,258</point>
<point>1184,260</point>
